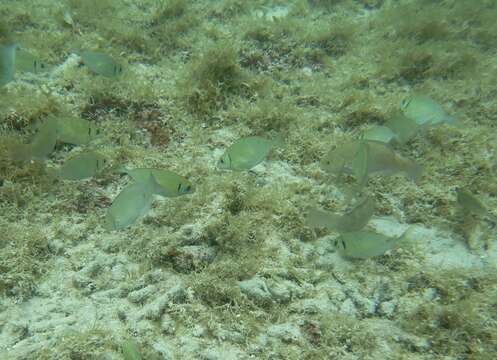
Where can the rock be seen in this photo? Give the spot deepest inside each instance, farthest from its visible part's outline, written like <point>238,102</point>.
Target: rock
<point>154,310</point>
<point>287,332</point>
<point>255,289</point>
<point>141,295</point>
<point>163,349</point>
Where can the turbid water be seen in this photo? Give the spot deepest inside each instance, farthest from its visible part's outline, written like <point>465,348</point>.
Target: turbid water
<point>226,264</point>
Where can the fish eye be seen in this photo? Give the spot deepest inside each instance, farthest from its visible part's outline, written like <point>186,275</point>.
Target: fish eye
<point>188,188</point>
<point>179,187</point>
<point>343,244</point>
<point>221,161</point>
<point>404,103</point>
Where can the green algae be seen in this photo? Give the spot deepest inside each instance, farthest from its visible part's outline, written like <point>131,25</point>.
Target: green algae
<point>320,79</point>
<point>211,78</point>
<point>22,261</point>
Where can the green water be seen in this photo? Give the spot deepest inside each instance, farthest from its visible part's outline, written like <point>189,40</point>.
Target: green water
<point>235,269</point>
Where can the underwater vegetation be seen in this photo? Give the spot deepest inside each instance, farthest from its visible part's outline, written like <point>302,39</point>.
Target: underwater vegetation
<point>213,78</point>
<point>130,350</point>
<point>269,179</point>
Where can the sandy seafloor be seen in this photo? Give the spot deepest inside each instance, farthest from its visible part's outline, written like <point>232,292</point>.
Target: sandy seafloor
<point>232,271</point>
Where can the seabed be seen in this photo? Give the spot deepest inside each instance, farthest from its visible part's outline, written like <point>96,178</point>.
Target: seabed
<point>233,270</point>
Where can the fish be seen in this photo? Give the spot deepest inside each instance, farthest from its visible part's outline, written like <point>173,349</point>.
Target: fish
<point>101,64</point>
<point>82,166</point>
<point>7,63</point>
<point>20,152</point>
<point>361,162</point>
<point>426,111</point>
<point>338,160</point>
<point>67,18</point>
<point>362,158</point>
<point>134,201</point>
<point>76,131</point>
<point>44,141</point>
<point>354,220</point>
<point>169,184</point>
<point>42,144</point>
<point>404,128</point>
<point>384,160</point>
<point>27,62</point>
<point>246,153</point>
<point>379,133</point>
<point>366,244</point>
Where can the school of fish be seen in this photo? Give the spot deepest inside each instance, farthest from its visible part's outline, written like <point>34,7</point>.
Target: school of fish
<point>371,153</point>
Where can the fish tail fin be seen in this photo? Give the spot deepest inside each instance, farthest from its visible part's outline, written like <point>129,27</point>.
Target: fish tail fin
<point>21,152</point>
<point>414,171</point>
<point>407,234</point>
<point>278,140</point>
<point>454,122</point>
<point>110,222</point>
<point>319,218</point>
